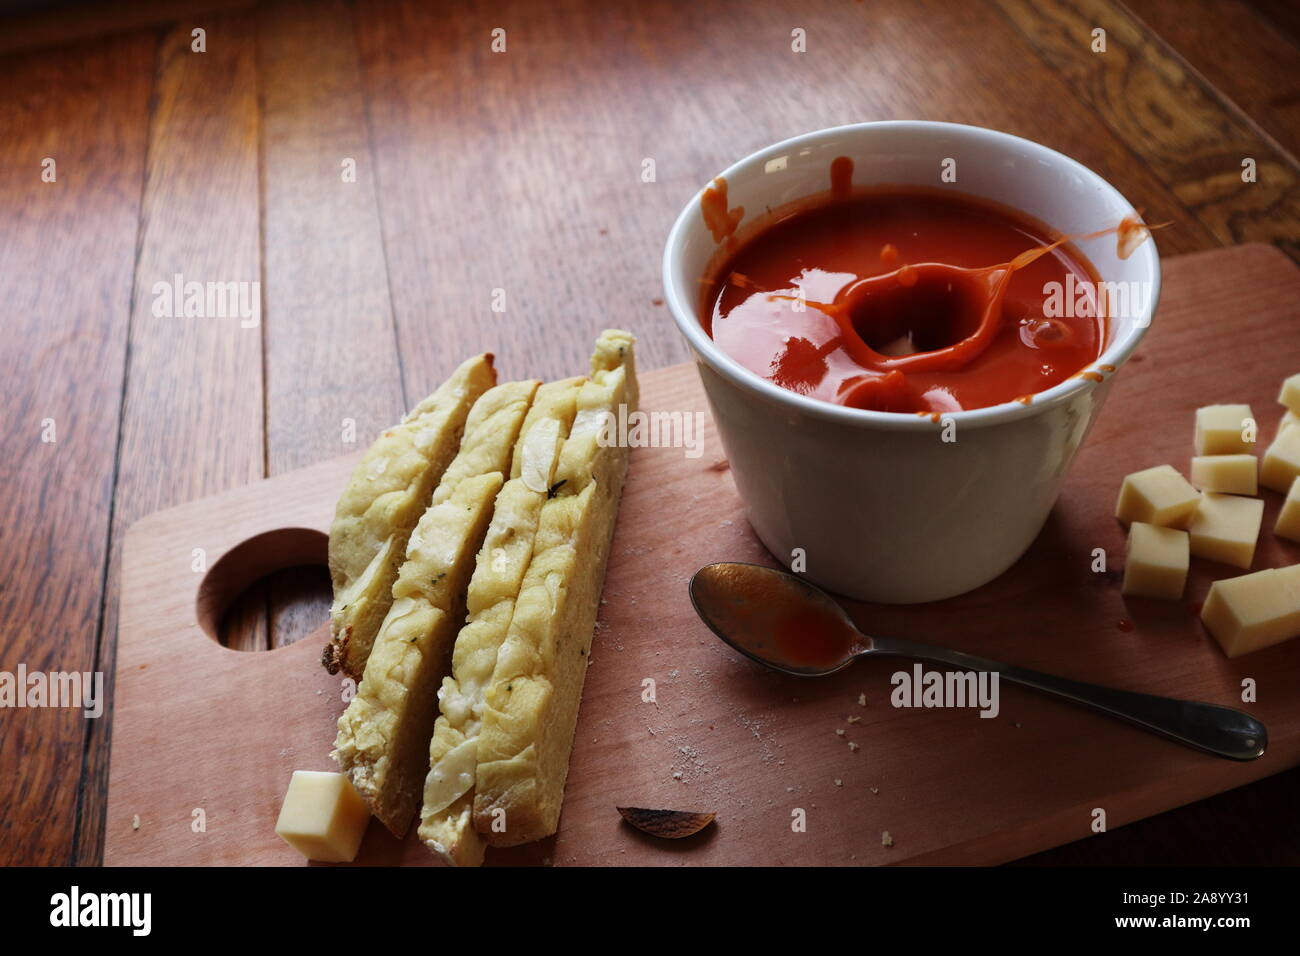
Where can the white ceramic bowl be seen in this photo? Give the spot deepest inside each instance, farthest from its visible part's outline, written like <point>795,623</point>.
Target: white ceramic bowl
<point>882,508</point>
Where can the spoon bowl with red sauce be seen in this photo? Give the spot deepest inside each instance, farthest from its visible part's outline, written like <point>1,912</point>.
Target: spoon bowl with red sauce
<point>783,622</point>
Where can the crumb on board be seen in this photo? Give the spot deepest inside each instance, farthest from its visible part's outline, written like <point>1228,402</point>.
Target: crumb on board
<point>862,700</point>
<point>886,839</point>
<point>852,745</point>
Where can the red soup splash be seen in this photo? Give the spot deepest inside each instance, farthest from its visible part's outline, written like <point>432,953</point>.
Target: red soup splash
<point>856,301</point>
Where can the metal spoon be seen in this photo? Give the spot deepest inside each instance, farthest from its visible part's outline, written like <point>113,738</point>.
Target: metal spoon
<point>756,610</point>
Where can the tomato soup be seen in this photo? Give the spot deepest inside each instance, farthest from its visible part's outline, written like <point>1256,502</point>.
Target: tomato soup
<point>856,301</point>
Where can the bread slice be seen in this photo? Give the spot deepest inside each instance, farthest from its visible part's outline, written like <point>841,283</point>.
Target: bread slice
<point>383,735</point>
<point>446,817</point>
<point>531,703</point>
<point>386,495</point>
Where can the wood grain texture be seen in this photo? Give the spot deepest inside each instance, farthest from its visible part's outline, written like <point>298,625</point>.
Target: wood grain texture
<point>66,254</point>
<point>1239,53</point>
<point>192,419</point>
<point>530,161</point>
<point>728,737</point>
<point>329,322</point>
<point>1282,14</point>
<point>521,171</point>
<point>1187,133</point>
<point>68,22</point>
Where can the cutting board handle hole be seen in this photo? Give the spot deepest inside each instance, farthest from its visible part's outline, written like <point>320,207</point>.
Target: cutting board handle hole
<point>267,591</point>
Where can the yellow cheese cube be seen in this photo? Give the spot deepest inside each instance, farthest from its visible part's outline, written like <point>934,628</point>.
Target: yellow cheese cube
<point>1290,394</point>
<point>1225,528</point>
<point>1159,496</point>
<point>1157,562</point>
<point>323,816</point>
<point>1288,519</point>
<point>1228,474</point>
<point>1221,429</point>
<point>1281,462</point>
<point>1289,419</point>
<point>1254,610</point>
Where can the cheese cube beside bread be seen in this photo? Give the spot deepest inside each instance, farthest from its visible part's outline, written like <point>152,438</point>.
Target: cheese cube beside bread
<point>323,817</point>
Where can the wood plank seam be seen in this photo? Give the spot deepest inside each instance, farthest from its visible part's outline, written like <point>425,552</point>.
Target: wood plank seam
<point>104,655</point>
<point>1211,90</point>
<point>165,241</point>
<point>379,202</point>
<point>1219,228</point>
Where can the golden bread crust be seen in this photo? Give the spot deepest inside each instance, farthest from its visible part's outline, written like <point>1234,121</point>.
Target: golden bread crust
<point>383,736</point>
<point>446,817</point>
<point>388,492</point>
<point>531,703</point>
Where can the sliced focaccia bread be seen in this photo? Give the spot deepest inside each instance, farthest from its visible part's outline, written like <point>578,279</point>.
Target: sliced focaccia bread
<point>531,703</point>
<point>386,495</point>
<point>383,736</point>
<point>446,817</point>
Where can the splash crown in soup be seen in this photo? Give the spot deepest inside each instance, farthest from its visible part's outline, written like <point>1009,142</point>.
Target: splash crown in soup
<point>906,299</point>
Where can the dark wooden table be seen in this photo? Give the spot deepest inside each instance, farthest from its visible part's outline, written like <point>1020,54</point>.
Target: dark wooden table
<point>477,171</point>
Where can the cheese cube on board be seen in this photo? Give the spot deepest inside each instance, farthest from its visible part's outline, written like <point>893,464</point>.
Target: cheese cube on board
<point>1252,611</point>
<point>1227,474</point>
<point>1288,519</point>
<point>1288,419</point>
<point>1220,428</point>
<point>1290,394</point>
<point>1159,496</point>
<point>1281,462</point>
<point>1157,562</point>
<point>323,816</point>
<point>1225,528</point>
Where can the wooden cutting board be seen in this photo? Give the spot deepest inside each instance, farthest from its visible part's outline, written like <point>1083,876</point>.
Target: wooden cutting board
<point>205,739</point>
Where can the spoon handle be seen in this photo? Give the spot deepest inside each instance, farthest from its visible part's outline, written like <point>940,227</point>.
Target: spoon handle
<point>1219,730</point>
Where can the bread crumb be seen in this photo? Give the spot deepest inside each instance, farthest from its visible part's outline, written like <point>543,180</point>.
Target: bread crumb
<point>838,782</point>
<point>854,719</point>
<point>862,700</point>
<point>875,789</point>
<point>839,731</point>
<point>886,839</point>
<point>852,745</point>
